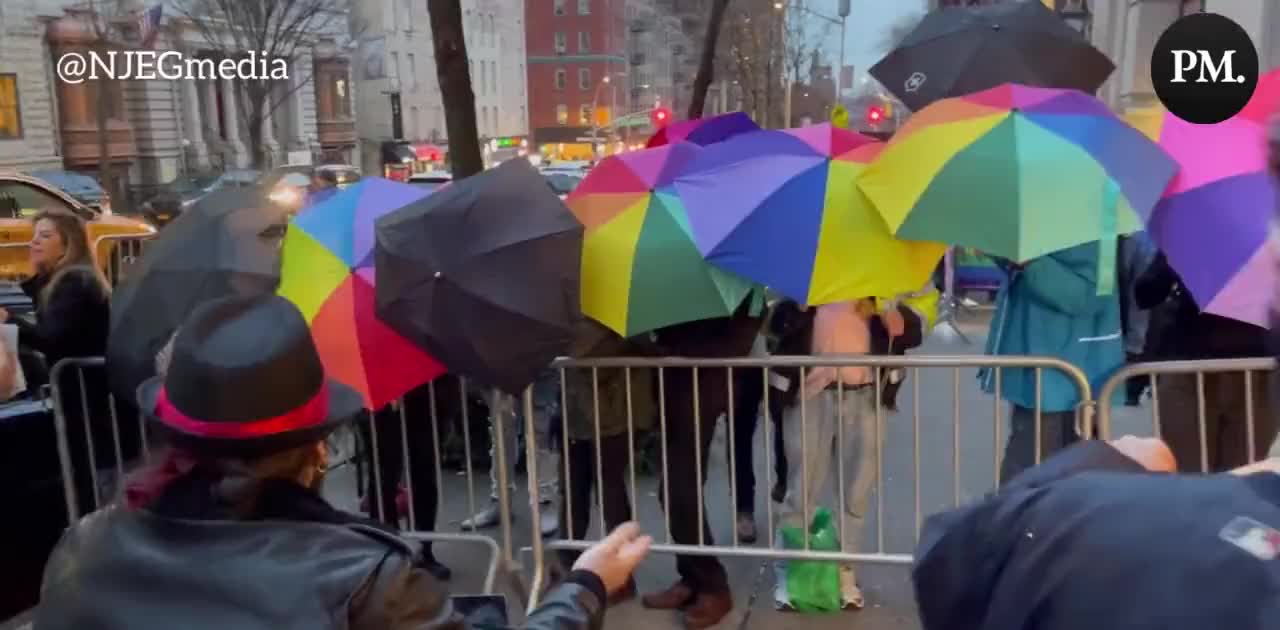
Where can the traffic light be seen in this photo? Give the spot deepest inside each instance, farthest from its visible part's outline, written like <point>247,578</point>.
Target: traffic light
<point>875,115</point>
<point>660,116</point>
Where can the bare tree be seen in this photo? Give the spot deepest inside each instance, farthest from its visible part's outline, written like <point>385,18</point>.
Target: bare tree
<point>707,63</point>
<point>454,76</point>
<point>755,59</point>
<point>278,32</point>
<point>803,47</point>
<point>105,20</point>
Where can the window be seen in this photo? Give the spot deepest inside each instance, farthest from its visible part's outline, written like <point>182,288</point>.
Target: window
<point>25,200</point>
<point>482,77</point>
<point>341,97</point>
<point>493,31</point>
<point>584,7</point>
<point>493,77</point>
<point>561,45</point>
<point>561,74</point>
<point>524,116</point>
<point>562,114</point>
<point>484,121</point>
<point>497,120</point>
<point>413,72</point>
<point>408,15</point>
<point>584,115</point>
<point>584,41</point>
<point>1192,6</point>
<point>584,78</point>
<point>394,69</point>
<point>10,112</point>
<point>559,8</point>
<point>413,122</point>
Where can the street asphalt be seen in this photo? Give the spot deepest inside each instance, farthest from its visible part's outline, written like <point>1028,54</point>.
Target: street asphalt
<point>893,518</point>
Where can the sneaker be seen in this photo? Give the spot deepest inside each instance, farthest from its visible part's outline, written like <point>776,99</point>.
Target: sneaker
<point>484,519</point>
<point>549,522</point>
<point>746,527</point>
<point>781,598</point>
<point>850,594</point>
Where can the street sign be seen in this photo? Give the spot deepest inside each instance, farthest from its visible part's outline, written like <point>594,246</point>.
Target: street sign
<point>840,117</point>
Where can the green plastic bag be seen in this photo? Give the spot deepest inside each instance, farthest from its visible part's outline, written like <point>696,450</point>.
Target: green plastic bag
<point>814,585</point>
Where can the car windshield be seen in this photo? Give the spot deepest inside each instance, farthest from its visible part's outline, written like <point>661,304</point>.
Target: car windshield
<point>294,179</point>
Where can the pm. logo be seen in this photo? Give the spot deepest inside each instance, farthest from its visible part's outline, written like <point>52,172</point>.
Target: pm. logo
<point>1204,68</point>
<point>915,82</point>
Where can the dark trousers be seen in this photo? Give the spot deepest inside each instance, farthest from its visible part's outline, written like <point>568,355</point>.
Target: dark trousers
<point>578,482</point>
<point>748,394</point>
<point>685,444</point>
<point>1226,432</point>
<point>390,464</point>
<point>1057,431</point>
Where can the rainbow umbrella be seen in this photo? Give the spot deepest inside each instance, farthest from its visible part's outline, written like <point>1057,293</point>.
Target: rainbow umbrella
<point>781,208</point>
<point>1212,222</point>
<point>328,272</point>
<point>640,267</point>
<point>1017,172</point>
<point>704,131</point>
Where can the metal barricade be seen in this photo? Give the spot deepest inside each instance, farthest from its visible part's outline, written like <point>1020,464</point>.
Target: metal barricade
<point>1201,387</point>
<point>100,442</point>
<point>690,371</point>
<point>118,253</point>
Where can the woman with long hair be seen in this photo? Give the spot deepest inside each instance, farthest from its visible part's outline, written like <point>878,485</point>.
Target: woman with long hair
<point>229,529</point>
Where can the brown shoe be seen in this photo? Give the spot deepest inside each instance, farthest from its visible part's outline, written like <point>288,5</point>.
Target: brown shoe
<point>707,610</point>
<point>625,594</point>
<point>678,596</point>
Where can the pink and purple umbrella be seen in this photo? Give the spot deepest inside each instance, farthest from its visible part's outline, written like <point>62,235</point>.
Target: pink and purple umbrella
<point>704,131</point>
<point>1213,219</point>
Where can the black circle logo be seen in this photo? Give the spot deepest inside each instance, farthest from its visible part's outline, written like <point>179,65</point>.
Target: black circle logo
<point>1204,68</point>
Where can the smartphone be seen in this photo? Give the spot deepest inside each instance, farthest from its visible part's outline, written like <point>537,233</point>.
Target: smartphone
<point>486,612</point>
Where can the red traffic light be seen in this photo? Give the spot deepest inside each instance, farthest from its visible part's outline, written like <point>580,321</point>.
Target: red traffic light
<point>875,114</point>
<point>660,116</point>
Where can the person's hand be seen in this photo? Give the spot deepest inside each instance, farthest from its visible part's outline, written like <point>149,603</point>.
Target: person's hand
<point>1152,453</point>
<point>894,322</point>
<point>615,558</point>
<point>4,315</point>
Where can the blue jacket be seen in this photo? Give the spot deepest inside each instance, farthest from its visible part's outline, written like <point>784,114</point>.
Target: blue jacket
<point>1050,307</point>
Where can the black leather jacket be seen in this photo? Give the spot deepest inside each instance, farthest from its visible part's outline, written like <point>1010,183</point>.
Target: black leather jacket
<point>295,563</point>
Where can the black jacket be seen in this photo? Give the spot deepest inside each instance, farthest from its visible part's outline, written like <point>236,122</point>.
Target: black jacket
<point>1090,540</point>
<point>72,321</point>
<point>1180,331</point>
<point>295,562</point>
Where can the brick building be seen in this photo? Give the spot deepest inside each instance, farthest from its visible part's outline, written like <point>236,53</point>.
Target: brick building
<point>578,74</point>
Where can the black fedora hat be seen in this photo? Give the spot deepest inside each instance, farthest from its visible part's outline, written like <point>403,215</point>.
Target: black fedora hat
<point>245,379</point>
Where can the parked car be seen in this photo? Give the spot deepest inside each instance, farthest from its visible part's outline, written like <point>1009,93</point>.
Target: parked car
<point>432,181</point>
<point>84,188</point>
<point>562,182</point>
<point>22,196</point>
<point>176,196</point>
<point>286,186</point>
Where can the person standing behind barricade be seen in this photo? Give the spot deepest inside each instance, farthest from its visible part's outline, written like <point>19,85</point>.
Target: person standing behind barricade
<point>1051,306</point>
<point>72,314</point>
<point>1137,252</point>
<point>1180,331</point>
<point>608,442</point>
<point>509,409</point>
<point>383,487</point>
<point>903,324</point>
<point>829,396</point>
<point>748,393</point>
<point>702,591</point>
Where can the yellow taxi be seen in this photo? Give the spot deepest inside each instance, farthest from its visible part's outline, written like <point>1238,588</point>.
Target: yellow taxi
<point>116,239</point>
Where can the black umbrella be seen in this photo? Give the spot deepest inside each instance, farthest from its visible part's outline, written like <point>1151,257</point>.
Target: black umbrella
<point>215,249</point>
<point>483,274</point>
<point>957,51</point>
